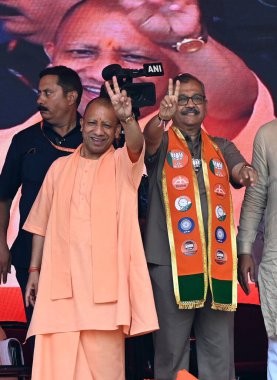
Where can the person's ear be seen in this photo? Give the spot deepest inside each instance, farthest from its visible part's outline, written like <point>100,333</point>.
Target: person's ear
<point>72,97</point>
<point>117,131</point>
<point>82,124</point>
<point>49,48</point>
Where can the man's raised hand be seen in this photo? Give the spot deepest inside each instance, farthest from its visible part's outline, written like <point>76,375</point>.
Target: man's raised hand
<point>169,103</point>
<point>122,104</point>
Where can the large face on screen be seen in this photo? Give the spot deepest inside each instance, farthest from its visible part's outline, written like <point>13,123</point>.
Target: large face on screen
<point>35,20</point>
<point>94,37</point>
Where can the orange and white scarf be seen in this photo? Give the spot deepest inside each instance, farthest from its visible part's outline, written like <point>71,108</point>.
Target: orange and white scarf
<point>194,265</point>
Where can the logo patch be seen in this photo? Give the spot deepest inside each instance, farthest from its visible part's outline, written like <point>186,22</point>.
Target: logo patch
<point>189,248</point>
<point>220,257</point>
<point>183,203</point>
<point>180,182</point>
<point>220,213</point>
<point>186,225</point>
<point>177,158</point>
<point>217,167</point>
<point>196,164</point>
<point>220,191</point>
<point>220,235</point>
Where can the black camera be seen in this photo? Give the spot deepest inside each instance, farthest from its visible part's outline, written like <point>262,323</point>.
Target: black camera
<point>143,94</point>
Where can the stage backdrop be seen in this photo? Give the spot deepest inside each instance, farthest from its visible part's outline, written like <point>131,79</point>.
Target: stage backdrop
<point>231,50</point>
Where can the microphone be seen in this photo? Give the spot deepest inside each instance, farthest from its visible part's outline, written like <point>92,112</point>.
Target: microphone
<point>109,71</point>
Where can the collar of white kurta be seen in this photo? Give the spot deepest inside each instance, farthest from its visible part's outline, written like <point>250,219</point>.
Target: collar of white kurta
<point>104,252</point>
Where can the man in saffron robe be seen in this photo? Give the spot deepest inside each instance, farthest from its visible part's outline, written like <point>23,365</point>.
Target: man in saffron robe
<point>190,235</point>
<point>93,286</point>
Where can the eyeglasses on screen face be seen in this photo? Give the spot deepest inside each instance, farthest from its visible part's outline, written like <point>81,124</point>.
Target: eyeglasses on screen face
<point>197,99</point>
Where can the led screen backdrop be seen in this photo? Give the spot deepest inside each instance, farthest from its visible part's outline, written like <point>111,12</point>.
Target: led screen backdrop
<point>236,62</point>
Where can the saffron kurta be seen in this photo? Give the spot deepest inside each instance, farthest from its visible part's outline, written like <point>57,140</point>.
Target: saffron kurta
<point>134,308</point>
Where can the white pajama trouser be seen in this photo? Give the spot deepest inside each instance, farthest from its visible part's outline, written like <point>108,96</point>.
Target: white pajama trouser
<point>272,359</point>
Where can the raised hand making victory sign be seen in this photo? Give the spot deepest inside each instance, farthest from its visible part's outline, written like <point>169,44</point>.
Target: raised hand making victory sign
<point>122,105</point>
<point>169,103</point>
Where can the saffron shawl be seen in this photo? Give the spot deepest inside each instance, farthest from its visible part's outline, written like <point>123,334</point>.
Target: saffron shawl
<point>104,253</point>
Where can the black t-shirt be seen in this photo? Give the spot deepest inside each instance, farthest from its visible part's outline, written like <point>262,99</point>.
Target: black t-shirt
<point>29,157</point>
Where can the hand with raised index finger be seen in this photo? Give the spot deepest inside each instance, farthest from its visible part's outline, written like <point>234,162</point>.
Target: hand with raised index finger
<point>122,104</point>
<point>169,103</point>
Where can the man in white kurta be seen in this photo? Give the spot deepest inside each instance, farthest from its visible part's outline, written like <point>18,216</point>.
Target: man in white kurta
<point>259,200</point>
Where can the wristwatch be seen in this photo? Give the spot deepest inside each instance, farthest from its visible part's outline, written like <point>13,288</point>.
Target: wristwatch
<point>129,119</point>
<point>191,45</point>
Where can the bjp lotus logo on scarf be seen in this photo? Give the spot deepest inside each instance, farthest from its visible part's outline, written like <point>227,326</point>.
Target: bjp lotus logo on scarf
<point>217,167</point>
<point>177,158</point>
